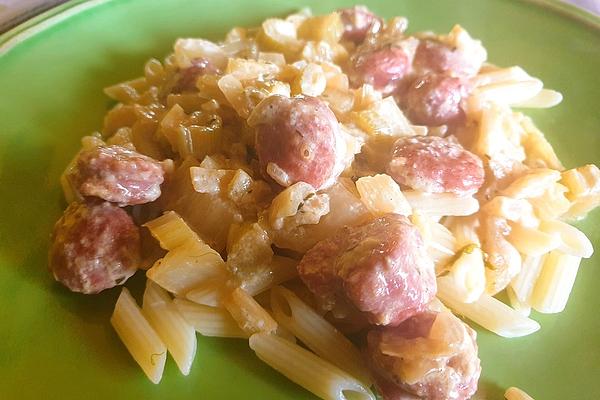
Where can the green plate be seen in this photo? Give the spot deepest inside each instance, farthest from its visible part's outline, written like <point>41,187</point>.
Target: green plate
<point>59,345</point>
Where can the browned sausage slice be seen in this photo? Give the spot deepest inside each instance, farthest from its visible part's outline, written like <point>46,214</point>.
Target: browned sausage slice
<point>95,246</point>
<point>381,267</point>
<point>118,175</point>
<point>433,164</point>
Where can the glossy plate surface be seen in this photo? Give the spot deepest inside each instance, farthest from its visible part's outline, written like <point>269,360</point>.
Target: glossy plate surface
<point>59,345</point>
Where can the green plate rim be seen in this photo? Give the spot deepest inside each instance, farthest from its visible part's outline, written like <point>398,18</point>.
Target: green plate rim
<point>37,24</point>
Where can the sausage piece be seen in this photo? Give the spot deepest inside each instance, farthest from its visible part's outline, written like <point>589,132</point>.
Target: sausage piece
<point>297,140</point>
<point>358,21</point>
<point>432,355</point>
<point>437,57</point>
<point>383,67</point>
<point>434,100</point>
<point>433,164</point>
<point>95,246</point>
<point>119,175</point>
<point>381,267</point>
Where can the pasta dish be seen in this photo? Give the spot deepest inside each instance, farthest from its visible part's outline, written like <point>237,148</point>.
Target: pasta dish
<point>335,190</point>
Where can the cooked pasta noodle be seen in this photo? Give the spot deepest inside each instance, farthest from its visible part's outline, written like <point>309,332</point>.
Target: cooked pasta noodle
<point>308,370</point>
<point>176,333</point>
<point>487,311</point>
<point>142,341</point>
<point>209,321</point>
<point>317,333</point>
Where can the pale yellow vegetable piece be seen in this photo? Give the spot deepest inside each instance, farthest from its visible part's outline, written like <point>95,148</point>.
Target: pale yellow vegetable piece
<point>186,266</point>
<point>382,195</point>
<point>249,315</point>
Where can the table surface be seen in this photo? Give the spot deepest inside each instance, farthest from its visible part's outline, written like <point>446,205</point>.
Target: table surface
<point>13,12</point>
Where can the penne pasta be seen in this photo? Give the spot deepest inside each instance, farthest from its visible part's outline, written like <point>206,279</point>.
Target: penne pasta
<point>553,286</point>
<point>546,98</point>
<point>517,305</point>
<point>317,333</point>
<point>323,379</point>
<point>249,315</point>
<point>209,321</point>
<point>523,284</point>
<point>136,333</point>
<point>532,241</point>
<point>513,393</point>
<point>464,230</point>
<point>572,240</point>
<point>176,333</point>
<point>511,92</point>
<point>438,204</point>
<point>487,311</point>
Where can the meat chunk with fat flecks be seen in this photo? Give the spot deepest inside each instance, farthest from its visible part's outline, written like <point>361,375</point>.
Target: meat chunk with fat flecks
<point>298,139</point>
<point>358,21</point>
<point>440,58</point>
<point>433,164</point>
<point>383,67</point>
<point>117,174</point>
<point>380,267</point>
<point>434,100</point>
<point>432,355</point>
<point>95,246</point>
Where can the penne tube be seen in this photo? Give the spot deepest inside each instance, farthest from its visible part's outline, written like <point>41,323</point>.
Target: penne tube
<point>170,230</point>
<point>532,241</point>
<point>546,98</point>
<point>438,204</point>
<point>554,285</point>
<point>511,92</point>
<point>487,311</point>
<point>517,305</point>
<point>317,333</point>
<point>499,75</point>
<point>573,241</point>
<point>513,393</point>
<point>523,284</point>
<point>249,315</point>
<point>308,370</point>
<point>142,341</point>
<point>382,195</point>
<point>464,230</point>
<point>176,333</point>
<point>209,321</point>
